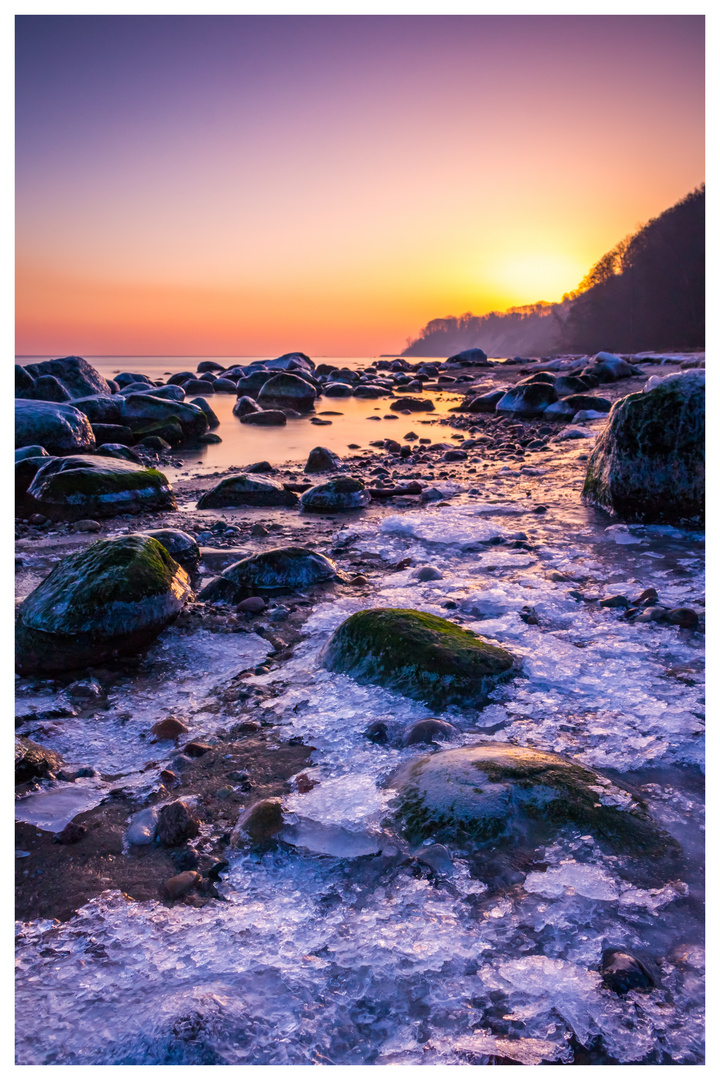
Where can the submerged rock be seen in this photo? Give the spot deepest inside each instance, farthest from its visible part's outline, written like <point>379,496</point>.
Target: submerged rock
<point>264,418</point>
<point>498,793</point>
<point>109,599</point>
<point>60,428</point>
<point>649,462</point>
<point>419,655</point>
<point>413,405</point>
<point>247,490</point>
<point>275,571</point>
<point>71,488</point>
<point>529,400</point>
<point>341,493</point>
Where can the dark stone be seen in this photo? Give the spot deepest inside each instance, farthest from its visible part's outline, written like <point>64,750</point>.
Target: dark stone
<point>116,450</point>
<point>48,388</point>
<point>270,572</point>
<point>181,545</point>
<point>199,386</point>
<point>76,487</point>
<point>77,376</point>
<point>340,494</point>
<point>177,823</point>
<point>201,403</point>
<point>684,617</point>
<point>486,403</point>
<point>34,762</point>
<point>321,460</point>
<point>113,433</point>
<point>475,356</point>
<point>623,972</point>
<point>170,728</point>
<point>287,391</point>
<point>427,731</point>
<point>413,405</point>
<point>260,823</point>
<point>71,834</point>
<point>377,732</point>
<point>196,749</point>
<point>245,490</point>
<point>337,389</point>
<point>60,428</point>
<point>180,885</point>
<point>264,418</point>
<point>529,400</point>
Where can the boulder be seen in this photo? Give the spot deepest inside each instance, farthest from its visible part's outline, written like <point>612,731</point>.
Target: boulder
<point>24,381</point>
<point>606,367</point>
<point>76,487</point>
<point>419,655</point>
<point>278,570</point>
<point>125,378</point>
<point>118,450</point>
<point>245,405</point>
<point>77,376</point>
<point>139,411</point>
<point>100,409</point>
<point>341,493</point>
<point>201,403</point>
<point>224,386</point>
<point>567,407</point>
<point>169,392</point>
<point>48,388</point>
<point>474,356</point>
<point>570,384</point>
<point>485,403</point>
<point>372,391</point>
<point>501,794</point>
<point>291,361</point>
<point>199,386</point>
<point>108,599</point>
<point>181,545</point>
<point>26,469</point>
<point>60,428</point>
<point>34,762</point>
<point>413,404</point>
<point>539,376</point>
<point>252,383</point>
<point>287,391</point>
<point>264,418</point>
<point>30,451</point>
<point>260,823</point>
<point>528,400</point>
<point>649,462</point>
<point>320,459</point>
<point>180,378</point>
<point>244,490</point>
<point>337,389</point>
<point>112,433</point>
<point>177,822</point>
<point>209,365</point>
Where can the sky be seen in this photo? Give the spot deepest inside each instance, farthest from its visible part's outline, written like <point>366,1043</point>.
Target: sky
<point>251,185</point>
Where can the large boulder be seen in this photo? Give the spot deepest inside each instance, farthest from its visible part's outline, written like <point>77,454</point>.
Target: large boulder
<point>339,494</point>
<point>278,570</point>
<point>109,599</point>
<point>264,418</point>
<point>125,378</point>
<point>606,367</point>
<point>24,381</point>
<point>48,388</point>
<point>26,469</point>
<point>100,409</point>
<point>246,490</point>
<point>60,428</point>
<point>528,400</point>
<point>201,403</point>
<point>292,361</point>
<point>473,356</point>
<point>570,384</point>
<point>140,411</point>
<point>77,376</point>
<point>419,655</point>
<point>649,462</point>
<point>76,487</point>
<point>337,389</point>
<point>485,403</point>
<point>567,407</point>
<point>496,793</point>
<point>287,391</point>
<point>252,383</point>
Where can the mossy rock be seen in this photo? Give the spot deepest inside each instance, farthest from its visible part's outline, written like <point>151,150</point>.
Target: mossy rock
<point>495,794</point>
<point>71,488</point>
<point>649,462</point>
<point>271,572</point>
<point>339,494</point>
<point>111,598</point>
<point>420,655</point>
<point>60,428</point>
<point>246,490</point>
<point>181,545</point>
<point>528,400</point>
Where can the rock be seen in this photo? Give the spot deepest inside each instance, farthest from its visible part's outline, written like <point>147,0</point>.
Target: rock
<point>34,762</point>
<point>419,655</point>
<point>278,570</point>
<point>181,545</point>
<point>539,376</point>
<point>254,605</point>
<point>244,406</point>
<point>259,530</point>
<point>144,411</point>
<point>261,822</point>
<point>244,490</point>
<point>169,728</point>
<point>26,470</point>
<point>527,401</point>
<point>48,388</point>
<point>23,380</point>
<point>143,827</point>
<point>648,464</point>
<point>606,367</point>
<point>177,822</point>
<point>377,732</point>
<point>410,437</point>
<point>196,749</point>
<point>684,617</point>
<point>589,414</point>
<point>340,494</point>
<point>321,459</point>
<point>100,409</point>
<point>485,403</point>
<point>260,467</point>
<point>455,455</point>
<point>411,404</point>
<point>287,391</point>
<point>646,599</point>
<point>75,374</point>
<point>499,793</point>
<point>199,386</point>
<point>109,599</point>
<point>154,442</point>
<point>60,428</point>
<point>264,418</point>
<point>615,602</point>
<point>116,450</point>
<point>209,365</point>
<point>71,834</point>
<point>474,356</point>
<point>622,972</point>
<point>569,384</point>
<point>373,392</point>
<point>211,438</point>
<point>112,433</point>
<point>87,525</point>
<point>126,378</point>
<point>427,573</point>
<point>75,487</point>
<point>427,731</point>
<point>337,389</point>
<point>567,407</point>
<point>180,885</point>
<point>572,433</point>
<point>29,452</point>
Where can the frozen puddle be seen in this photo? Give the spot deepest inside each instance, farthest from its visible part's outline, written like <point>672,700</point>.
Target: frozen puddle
<point>53,809</point>
<point>342,947</point>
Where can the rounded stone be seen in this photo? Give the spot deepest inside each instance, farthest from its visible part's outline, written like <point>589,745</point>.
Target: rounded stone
<point>76,487</point>
<point>287,391</point>
<point>177,822</point>
<point>181,545</point>
<point>341,493</point>
<point>270,572</point>
<point>181,884</point>
<point>418,654</point>
<point>320,459</point>
<point>427,731</point>
<point>529,400</point>
<point>264,418</point>
<point>411,404</point>
<point>60,428</point>
<point>260,823</point>
<point>244,490</point>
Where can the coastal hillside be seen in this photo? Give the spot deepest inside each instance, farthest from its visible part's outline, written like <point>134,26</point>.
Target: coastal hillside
<point>647,292</point>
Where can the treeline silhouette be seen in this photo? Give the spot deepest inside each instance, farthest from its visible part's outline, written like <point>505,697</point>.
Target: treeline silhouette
<point>647,293</point>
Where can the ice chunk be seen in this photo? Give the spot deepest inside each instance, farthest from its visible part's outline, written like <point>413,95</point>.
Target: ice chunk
<point>53,809</point>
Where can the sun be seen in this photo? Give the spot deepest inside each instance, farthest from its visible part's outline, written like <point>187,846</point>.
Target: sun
<point>530,276</point>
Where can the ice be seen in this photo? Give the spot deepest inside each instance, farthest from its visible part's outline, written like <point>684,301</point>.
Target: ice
<point>51,810</point>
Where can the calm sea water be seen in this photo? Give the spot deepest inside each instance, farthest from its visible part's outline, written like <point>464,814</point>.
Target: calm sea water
<point>244,444</point>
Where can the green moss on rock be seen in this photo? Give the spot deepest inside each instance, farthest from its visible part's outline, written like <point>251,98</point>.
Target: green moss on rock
<point>71,488</point>
<point>499,794</point>
<point>649,462</point>
<point>420,655</point>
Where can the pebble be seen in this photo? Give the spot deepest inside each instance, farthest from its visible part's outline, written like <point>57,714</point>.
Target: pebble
<point>377,732</point>
<point>279,614</point>
<point>261,821</point>
<point>177,822</point>
<point>70,834</point>
<point>618,601</point>
<point>169,728</point>
<point>196,749</point>
<point>304,783</point>
<point>259,530</point>
<point>224,793</point>
<point>181,884</point>
<point>646,599</point>
<point>359,579</point>
<point>622,972</point>
<point>87,525</point>
<point>142,827</point>
<point>427,573</point>
<point>253,604</point>
<point>426,731</point>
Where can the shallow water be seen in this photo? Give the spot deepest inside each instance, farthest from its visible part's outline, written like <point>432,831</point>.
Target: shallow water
<point>334,948</point>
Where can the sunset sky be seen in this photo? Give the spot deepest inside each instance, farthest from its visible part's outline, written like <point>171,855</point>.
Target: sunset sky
<point>244,185</point>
